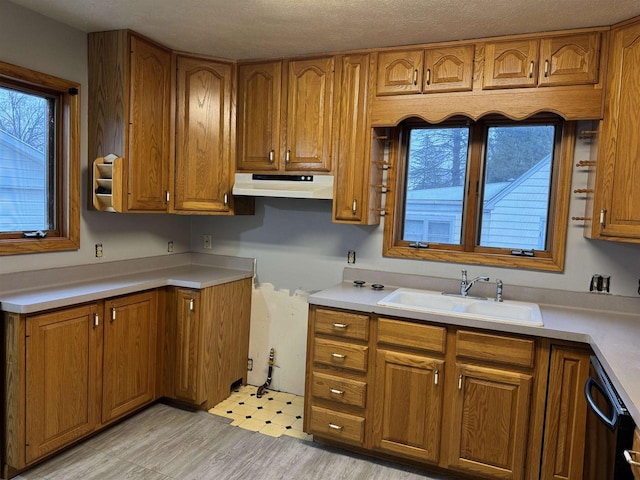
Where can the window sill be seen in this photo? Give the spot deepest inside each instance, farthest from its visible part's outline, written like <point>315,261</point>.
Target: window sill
<point>40,245</point>
<point>547,264</point>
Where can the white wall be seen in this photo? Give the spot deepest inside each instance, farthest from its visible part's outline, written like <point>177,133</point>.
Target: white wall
<point>30,40</point>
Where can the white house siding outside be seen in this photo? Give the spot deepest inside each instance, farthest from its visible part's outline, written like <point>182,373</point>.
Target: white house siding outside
<point>514,213</point>
<point>22,186</point>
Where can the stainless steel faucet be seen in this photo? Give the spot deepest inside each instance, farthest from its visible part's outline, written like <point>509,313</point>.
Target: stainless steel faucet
<point>465,285</point>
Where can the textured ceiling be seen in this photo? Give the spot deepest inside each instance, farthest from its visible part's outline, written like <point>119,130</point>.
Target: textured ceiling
<point>269,28</point>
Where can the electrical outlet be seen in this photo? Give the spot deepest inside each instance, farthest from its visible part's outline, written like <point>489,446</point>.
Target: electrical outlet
<point>170,246</point>
<point>207,241</point>
<point>98,250</point>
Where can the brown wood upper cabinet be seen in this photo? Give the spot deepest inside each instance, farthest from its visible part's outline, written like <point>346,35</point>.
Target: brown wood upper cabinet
<point>299,142</point>
<point>203,167</point>
<point>616,202</point>
<point>129,114</point>
<point>440,69</point>
<point>560,60</point>
<point>259,113</point>
<point>357,178</point>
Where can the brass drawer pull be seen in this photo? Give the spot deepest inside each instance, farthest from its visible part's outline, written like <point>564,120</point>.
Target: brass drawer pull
<point>333,426</point>
<point>336,391</point>
<point>415,76</point>
<point>340,325</point>
<point>272,155</point>
<point>338,355</point>
<point>531,65</point>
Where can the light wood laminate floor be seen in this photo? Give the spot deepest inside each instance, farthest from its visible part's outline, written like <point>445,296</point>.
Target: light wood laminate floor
<point>163,443</point>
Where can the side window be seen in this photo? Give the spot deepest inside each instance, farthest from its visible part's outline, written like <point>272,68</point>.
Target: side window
<point>491,192</point>
<point>39,162</point>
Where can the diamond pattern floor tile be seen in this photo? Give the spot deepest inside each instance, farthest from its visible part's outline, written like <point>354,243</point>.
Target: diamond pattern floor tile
<point>274,414</point>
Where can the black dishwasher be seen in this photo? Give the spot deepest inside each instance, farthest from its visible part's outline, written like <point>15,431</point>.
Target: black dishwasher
<point>609,429</point>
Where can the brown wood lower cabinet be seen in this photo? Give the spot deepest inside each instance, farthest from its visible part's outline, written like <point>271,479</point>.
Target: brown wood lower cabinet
<point>63,359</point>
<point>129,369</point>
<point>336,390</point>
<point>565,420</point>
<point>490,414</point>
<point>72,371</point>
<point>482,404</point>
<point>207,342</point>
<point>408,405</point>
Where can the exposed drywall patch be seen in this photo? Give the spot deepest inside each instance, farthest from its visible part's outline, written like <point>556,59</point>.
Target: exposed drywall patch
<point>279,321</point>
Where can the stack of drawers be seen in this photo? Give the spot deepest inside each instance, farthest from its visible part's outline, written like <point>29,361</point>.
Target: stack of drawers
<point>338,367</point>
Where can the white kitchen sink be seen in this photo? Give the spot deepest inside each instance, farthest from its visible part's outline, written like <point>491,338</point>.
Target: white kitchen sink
<point>508,311</point>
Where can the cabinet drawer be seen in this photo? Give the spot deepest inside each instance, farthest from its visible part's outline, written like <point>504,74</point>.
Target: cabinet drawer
<point>337,425</point>
<point>339,354</point>
<point>495,348</point>
<point>342,324</point>
<point>337,389</point>
<point>413,335</point>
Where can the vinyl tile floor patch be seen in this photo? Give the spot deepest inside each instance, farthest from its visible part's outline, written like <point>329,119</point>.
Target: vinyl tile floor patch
<point>274,414</point>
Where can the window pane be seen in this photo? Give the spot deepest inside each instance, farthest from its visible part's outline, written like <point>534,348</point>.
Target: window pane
<point>27,123</point>
<point>437,163</point>
<point>517,182</point>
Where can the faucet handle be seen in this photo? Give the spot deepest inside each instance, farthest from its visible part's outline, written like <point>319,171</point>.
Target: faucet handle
<point>464,275</point>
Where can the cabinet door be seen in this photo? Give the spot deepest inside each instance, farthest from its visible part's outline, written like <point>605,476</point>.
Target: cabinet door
<point>511,64</point>
<point>350,200</point>
<point>203,136</point>
<point>448,69</point>
<point>570,60</point>
<point>310,114</point>
<point>566,415</point>
<point>618,167</point>
<point>408,405</point>
<point>226,312</point>
<point>129,354</point>
<point>189,384</point>
<point>490,413</point>
<point>63,358</point>
<point>399,72</point>
<point>149,110</point>
<point>259,96</point>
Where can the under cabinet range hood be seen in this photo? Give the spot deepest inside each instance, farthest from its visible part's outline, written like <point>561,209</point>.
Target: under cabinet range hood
<point>284,186</point>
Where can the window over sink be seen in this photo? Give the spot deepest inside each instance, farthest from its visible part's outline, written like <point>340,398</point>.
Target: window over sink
<point>493,191</point>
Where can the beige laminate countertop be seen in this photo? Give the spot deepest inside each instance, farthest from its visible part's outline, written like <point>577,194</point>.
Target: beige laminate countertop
<point>613,336</point>
<point>88,283</point>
